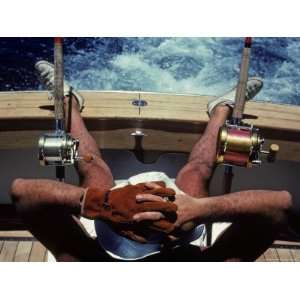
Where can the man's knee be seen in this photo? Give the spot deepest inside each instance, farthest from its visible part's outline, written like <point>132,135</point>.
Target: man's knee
<point>198,168</point>
<point>193,181</point>
<point>96,173</point>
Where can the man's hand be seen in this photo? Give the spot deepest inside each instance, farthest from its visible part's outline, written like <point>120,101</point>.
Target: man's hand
<point>187,211</point>
<point>119,205</point>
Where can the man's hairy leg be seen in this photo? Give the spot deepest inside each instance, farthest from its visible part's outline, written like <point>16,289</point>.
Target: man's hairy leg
<point>194,177</point>
<point>48,208</point>
<point>95,173</point>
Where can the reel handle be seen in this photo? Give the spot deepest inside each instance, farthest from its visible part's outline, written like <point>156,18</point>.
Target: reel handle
<point>273,150</point>
<point>272,153</point>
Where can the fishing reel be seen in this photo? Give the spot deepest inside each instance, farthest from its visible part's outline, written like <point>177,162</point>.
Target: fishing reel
<point>241,145</point>
<point>58,149</point>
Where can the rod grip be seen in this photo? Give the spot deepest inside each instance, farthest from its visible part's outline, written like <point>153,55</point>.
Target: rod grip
<point>58,79</point>
<point>240,96</point>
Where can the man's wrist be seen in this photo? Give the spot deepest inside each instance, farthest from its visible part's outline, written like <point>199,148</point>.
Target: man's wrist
<point>204,210</point>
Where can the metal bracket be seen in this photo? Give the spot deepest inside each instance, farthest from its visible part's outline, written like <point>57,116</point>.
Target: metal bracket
<point>139,103</point>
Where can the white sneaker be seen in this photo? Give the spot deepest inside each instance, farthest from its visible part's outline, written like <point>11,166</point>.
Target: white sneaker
<point>254,85</point>
<point>45,72</point>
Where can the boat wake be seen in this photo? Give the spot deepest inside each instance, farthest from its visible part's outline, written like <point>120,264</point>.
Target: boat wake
<point>174,65</point>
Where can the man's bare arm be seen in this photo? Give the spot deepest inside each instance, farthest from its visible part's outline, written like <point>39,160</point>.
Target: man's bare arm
<point>45,192</point>
<point>269,205</point>
<point>240,205</point>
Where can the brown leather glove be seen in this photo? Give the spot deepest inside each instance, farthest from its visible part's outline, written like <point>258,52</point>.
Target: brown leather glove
<point>119,205</point>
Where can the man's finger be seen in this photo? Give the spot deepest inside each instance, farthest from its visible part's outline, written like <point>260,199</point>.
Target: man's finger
<point>148,197</point>
<point>152,185</point>
<point>148,216</point>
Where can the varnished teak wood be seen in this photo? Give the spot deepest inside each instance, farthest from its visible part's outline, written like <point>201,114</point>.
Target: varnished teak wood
<point>171,122</point>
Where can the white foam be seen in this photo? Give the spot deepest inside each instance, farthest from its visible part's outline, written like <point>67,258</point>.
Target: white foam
<point>187,65</point>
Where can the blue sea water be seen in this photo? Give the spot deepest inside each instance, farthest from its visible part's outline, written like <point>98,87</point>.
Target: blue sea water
<point>207,66</point>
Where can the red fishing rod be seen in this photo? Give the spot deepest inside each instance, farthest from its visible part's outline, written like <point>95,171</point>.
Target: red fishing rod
<point>237,115</point>
<point>59,85</point>
<point>59,97</point>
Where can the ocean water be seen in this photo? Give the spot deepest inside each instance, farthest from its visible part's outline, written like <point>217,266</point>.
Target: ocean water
<point>207,66</point>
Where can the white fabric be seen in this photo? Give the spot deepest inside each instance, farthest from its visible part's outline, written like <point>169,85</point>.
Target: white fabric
<point>122,248</point>
<point>217,229</point>
<point>150,176</point>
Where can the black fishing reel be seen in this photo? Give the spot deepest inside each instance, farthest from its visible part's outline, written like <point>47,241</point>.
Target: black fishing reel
<point>242,145</point>
<point>58,149</point>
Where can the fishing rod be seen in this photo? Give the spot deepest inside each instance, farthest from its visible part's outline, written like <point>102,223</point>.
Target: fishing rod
<point>240,144</point>
<point>58,148</point>
<point>59,97</point>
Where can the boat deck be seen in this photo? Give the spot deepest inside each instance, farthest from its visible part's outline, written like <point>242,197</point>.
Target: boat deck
<point>282,251</point>
<point>21,246</point>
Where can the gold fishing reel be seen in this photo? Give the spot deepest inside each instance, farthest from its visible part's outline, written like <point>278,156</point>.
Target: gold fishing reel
<point>241,145</point>
<point>58,149</point>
